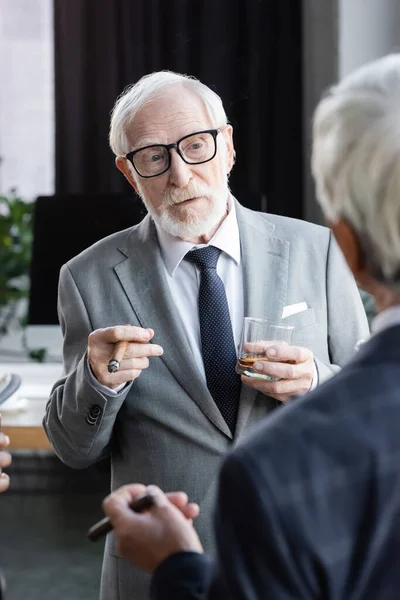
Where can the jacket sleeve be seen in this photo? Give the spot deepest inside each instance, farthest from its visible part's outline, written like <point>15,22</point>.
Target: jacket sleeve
<point>347,320</point>
<point>79,418</point>
<point>184,575</point>
<point>258,553</point>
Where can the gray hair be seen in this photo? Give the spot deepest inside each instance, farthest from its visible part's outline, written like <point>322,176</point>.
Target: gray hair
<point>150,87</point>
<point>356,161</point>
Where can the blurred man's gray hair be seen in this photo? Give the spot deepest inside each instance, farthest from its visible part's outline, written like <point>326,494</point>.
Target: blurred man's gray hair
<point>151,87</point>
<point>356,161</point>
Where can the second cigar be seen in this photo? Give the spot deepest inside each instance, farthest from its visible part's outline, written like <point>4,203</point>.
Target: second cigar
<point>118,355</point>
<point>104,526</point>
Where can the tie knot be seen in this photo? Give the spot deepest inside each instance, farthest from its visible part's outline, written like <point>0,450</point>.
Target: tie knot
<point>206,258</point>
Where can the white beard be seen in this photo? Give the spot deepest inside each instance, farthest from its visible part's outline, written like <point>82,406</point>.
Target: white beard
<point>193,225</point>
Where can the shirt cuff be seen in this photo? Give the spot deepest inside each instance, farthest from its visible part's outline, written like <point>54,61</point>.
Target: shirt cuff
<point>315,380</point>
<point>99,386</point>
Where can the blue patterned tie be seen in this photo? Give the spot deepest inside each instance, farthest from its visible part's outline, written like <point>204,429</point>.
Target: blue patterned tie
<point>217,342</point>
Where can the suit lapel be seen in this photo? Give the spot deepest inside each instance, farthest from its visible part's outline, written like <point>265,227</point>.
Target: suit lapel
<point>142,277</point>
<point>265,260</point>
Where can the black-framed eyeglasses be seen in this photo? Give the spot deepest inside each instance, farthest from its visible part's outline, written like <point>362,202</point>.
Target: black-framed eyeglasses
<point>194,149</point>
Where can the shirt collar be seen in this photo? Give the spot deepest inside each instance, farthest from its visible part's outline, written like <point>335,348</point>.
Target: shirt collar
<point>385,319</point>
<point>226,238</point>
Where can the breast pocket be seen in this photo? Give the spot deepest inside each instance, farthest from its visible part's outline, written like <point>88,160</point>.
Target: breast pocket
<point>305,328</point>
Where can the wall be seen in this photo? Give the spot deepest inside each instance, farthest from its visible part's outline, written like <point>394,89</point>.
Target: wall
<point>320,59</point>
<point>368,29</point>
<point>339,36</point>
<point>26,97</point>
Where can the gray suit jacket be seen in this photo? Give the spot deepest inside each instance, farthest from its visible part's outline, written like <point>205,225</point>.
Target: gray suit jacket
<point>165,427</point>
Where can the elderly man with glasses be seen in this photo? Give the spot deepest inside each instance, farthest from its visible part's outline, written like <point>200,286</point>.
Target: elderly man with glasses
<point>184,279</point>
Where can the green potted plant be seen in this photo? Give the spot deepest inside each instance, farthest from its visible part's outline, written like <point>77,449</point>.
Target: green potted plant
<point>15,255</point>
<point>16,235</point>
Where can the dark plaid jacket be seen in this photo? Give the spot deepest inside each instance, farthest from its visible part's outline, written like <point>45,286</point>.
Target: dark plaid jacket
<point>309,504</point>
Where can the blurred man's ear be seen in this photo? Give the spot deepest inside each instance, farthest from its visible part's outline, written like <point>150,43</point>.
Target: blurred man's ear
<point>125,168</point>
<point>351,248</point>
<point>350,245</point>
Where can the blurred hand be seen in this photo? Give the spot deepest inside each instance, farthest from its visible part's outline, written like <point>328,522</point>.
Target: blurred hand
<point>5,461</point>
<point>101,346</point>
<point>292,365</point>
<point>148,538</point>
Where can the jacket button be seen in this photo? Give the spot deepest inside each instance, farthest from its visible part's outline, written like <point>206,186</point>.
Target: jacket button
<point>94,414</point>
<point>95,411</point>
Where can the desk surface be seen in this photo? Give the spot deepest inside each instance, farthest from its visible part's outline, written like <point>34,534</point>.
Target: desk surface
<point>25,428</point>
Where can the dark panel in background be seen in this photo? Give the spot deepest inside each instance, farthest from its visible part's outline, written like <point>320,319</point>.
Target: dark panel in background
<point>248,51</point>
<point>64,225</point>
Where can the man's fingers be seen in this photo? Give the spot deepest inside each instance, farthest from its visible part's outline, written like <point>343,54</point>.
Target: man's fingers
<point>275,389</point>
<point>130,333</point>
<point>4,482</point>
<point>4,440</point>
<point>159,498</point>
<point>117,504</point>
<point>278,370</point>
<point>286,353</point>
<point>130,368</point>
<point>259,347</point>
<point>134,363</point>
<point>140,350</point>
<point>124,496</point>
<point>102,344</point>
<point>120,500</point>
<point>179,499</point>
<point>126,493</point>
<point>5,459</point>
<point>191,511</point>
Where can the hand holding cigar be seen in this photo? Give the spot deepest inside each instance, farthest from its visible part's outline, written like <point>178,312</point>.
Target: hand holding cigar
<point>101,528</point>
<point>118,355</point>
<point>138,355</point>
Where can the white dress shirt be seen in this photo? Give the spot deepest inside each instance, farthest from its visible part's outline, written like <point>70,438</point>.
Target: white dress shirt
<point>385,319</point>
<point>183,279</point>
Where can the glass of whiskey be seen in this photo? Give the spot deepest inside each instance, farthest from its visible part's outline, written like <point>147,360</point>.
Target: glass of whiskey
<point>257,336</point>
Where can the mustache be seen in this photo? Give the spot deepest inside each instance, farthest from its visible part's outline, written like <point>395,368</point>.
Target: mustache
<point>173,196</point>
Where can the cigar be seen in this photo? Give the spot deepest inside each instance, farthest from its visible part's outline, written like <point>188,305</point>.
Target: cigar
<point>101,528</point>
<point>118,355</point>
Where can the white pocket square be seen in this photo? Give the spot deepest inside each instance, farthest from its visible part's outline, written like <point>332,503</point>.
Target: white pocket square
<point>293,309</point>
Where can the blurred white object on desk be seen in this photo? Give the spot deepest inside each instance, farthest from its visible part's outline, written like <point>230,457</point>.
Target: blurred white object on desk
<point>14,404</point>
<point>24,425</point>
<point>9,397</point>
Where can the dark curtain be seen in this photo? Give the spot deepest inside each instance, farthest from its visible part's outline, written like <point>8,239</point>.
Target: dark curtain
<point>248,51</point>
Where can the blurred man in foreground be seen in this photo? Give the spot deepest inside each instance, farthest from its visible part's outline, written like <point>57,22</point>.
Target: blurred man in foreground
<point>309,503</point>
